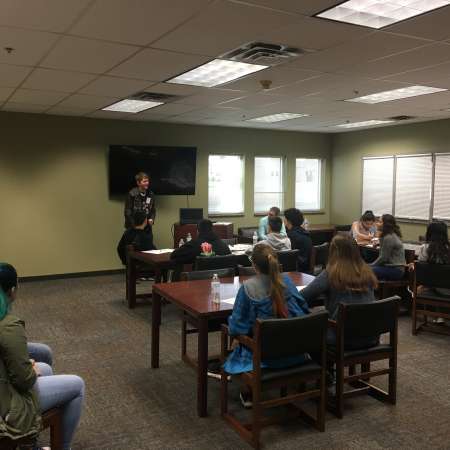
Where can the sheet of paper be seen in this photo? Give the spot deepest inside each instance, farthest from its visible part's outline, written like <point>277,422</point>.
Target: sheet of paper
<point>159,252</point>
<point>299,288</point>
<point>230,301</point>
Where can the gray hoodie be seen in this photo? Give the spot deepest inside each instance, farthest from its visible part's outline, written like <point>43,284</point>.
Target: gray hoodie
<point>277,241</point>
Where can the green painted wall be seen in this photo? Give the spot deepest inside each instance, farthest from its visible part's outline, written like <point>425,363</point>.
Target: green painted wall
<point>350,148</point>
<point>56,216</point>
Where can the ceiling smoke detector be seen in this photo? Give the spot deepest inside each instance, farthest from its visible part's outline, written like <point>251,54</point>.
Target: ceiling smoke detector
<point>263,53</point>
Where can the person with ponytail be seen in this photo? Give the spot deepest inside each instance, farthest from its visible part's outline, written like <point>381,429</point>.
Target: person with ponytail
<point>268,294</point>
<point>28,388</point>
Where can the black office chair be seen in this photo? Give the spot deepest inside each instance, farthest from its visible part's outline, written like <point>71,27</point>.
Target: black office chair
<point>288,260</point>
<point>206,274</point>
<point>343,228</point>
<point>215,262</point>
<point>319,258</point>
<point>364,321</point>
<point>427,302</point>
<point>230,241</point>
<point>244,271</point>
<point>275,339</point>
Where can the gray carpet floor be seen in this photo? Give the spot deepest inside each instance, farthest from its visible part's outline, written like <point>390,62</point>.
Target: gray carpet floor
<point>130,406</point>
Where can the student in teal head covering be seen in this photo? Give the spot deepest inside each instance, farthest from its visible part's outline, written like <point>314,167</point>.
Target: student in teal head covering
<point>29,388</point>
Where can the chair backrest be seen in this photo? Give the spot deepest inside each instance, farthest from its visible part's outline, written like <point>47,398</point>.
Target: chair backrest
<point>410,256</point>
<point>321,254</point>
<point>288,259</point>
<point>365,320</point>
<point>281,338</point>
<point>343,228</point>
<point>247,231</point>
<point>230,241</point>
<point>319,237</point>
<point>206,274</point>
<point>215,262</point>
<point>246,271</point>
<point>433,275</point>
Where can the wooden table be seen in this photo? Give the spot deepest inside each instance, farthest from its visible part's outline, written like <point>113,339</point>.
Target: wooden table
<point>157,262</point>
<point>194,298</point>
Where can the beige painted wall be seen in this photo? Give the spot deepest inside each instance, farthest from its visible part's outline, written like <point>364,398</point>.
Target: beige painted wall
<point>350,148</point>
<point>56,216</point>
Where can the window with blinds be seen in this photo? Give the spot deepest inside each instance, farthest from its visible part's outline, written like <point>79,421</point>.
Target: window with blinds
<point>225,184</point>
<point>378,185</point>
<point>413,183</point>
<point>268,184</point>
<point>441,204</point>
<point>308,182</point>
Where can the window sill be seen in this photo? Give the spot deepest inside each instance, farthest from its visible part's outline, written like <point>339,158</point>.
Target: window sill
<point>226,215</point>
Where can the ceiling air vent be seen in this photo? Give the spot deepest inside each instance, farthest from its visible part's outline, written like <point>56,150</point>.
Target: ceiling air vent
<point>155,97</point>
<point>399,118</point>
<point>262,53</point>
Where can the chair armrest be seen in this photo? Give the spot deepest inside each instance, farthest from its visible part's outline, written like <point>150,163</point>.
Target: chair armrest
<point>332,323</point>
<point>246,340</point>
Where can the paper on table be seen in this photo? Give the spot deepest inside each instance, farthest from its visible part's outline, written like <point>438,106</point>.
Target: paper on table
<point>230,301</point>
<point>158,252</point>
<point>299,288</point>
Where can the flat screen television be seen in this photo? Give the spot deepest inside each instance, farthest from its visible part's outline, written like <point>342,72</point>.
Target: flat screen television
<point>171,169</point>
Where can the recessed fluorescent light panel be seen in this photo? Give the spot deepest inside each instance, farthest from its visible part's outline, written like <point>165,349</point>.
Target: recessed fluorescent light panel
<point>277,117</point>
<point>380,13</point>
<point>132,106</point>
<point>395,94</point>
<point>367,123</point>
<point>218,71</point>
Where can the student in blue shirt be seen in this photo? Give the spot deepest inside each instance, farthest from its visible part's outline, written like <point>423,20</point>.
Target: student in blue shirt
<point>263,228</point>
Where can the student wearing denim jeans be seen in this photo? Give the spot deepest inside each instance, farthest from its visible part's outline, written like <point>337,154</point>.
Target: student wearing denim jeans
<point>29,386</point>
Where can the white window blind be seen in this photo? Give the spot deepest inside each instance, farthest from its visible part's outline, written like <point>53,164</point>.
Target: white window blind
<point>441,207</point>
<point>308,180</point>
<point>378,181</point>
<point>268,190</point>
<point>413,187</point>
<point>225,184</point>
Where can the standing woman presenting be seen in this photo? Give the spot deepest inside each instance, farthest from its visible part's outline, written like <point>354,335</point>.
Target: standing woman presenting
<point>142,199</point>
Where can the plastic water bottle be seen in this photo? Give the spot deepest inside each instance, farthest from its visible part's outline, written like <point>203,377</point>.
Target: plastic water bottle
<point>255,238</point>
<point>306,224</point>
<point>188,237</point>
<point>215,288</point>
<point>181,243</point>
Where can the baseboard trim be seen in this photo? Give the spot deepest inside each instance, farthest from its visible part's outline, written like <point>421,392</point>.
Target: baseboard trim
<point>62,276</point>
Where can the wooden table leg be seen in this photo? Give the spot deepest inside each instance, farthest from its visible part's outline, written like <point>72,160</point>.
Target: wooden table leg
<point>202,373</point>
<point>156,323</point>
<point>131,283</point>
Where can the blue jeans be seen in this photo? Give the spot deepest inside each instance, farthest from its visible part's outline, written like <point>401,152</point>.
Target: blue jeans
<point>388,273</point>
<point>62,391</point>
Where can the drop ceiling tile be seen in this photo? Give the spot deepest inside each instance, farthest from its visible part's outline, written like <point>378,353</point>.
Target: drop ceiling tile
<point>85,55</point>
<point>114,87</point>
<point>45,15</point>
<point>433,25</point>
<point>109,115</point>
<point>279,76</point>
<point>36,97</point>
<point>312,33</point>
<point>176,89</point>
<point>172,109</point>
<point>306,7</point>
<point>424,76</point>
<point>221,27</point>
<point>211,97</point>
<point>12,76</point>
<point>68,111</point>
<point>88,101</point>
<point>147,117</point>
<point>5,92</point>
<point>343,57</point>
<point>253,101</point>
<point>29,46</point>
<point>135,21</point>
<point>428,55</point>
<point>157,65</point>
<point>24,107</point>
<point>57,80</point>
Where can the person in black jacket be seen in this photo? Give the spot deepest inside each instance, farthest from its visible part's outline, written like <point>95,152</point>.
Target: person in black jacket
<point>136,236</point>
<point>187,253</point>
<point>300,238</point>
<point>142,199</point>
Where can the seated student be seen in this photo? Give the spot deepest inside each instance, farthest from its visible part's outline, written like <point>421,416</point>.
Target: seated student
<point>364,229</point>
<point>346,279</point>
<point>390,264</point>
<point>266,295</point>
<point>299,237</point>
<point>436,250</point>
<point>274,238</point>
<point>187,253</point>
<point>28,388</point>
<point>142,240</point>
<point>263,227</point>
